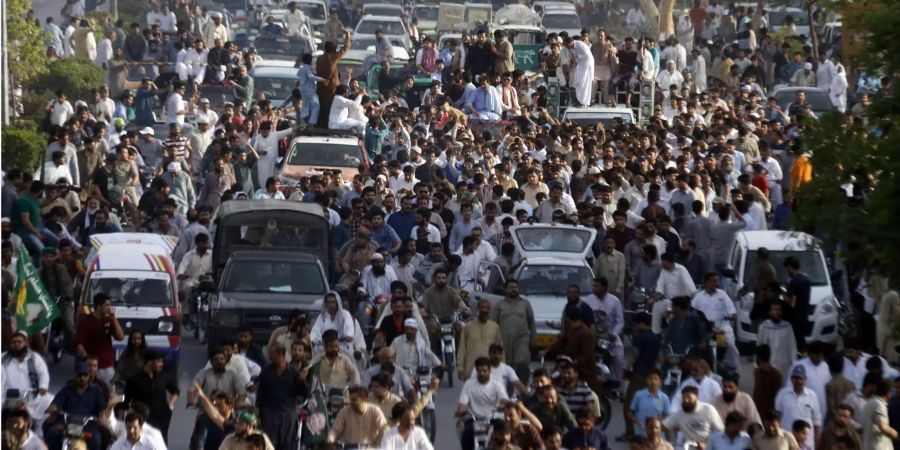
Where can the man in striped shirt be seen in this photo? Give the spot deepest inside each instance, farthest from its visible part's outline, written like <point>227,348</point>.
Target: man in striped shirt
<point>573,390</point>
<point>177,148</point>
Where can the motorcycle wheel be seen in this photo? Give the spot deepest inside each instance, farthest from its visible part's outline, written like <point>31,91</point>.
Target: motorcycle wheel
<point>200,332</point>
<point>428,422</point>
<point>451,372</point>
<point>605,412</point>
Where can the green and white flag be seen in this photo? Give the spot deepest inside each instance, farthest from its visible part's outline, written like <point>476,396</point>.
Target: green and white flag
<point>35,309</point>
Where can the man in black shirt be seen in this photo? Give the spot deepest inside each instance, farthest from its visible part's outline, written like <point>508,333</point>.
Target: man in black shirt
<point>279,387</point>
<point>155,389</point>
<point>797,296</point>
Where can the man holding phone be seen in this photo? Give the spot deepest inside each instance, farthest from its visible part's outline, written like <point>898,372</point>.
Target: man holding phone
<point>95,335</point>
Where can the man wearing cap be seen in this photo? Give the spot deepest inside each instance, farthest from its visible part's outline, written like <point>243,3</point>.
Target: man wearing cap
<point>155,389</point>
<point>201,138</point>
<point>23,369</point>
<point>797,402</point>
<point>412,350</point>
<point>203,111</point>
<point>804,77</point>
<point>244,431</point>
<point>78,398</point>
<point>378,276</point>
<point>181,186</point>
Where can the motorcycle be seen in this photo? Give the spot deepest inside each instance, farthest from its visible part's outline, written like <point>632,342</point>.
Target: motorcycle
<point>199,317</point>
<point>75,429</point>
<point>481,427</point>
<point>448,345</point>
<point>635,306</point>
<point>610,384</point>
<point>55,337</point>
<point>427,418</point>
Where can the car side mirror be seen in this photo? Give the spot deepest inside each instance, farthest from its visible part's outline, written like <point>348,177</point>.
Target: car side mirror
<point>729,273</point>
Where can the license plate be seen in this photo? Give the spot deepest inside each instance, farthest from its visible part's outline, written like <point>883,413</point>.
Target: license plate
<point>545,340</point>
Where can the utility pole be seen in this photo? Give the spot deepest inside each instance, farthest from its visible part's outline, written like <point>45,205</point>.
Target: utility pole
<point>7,86</point>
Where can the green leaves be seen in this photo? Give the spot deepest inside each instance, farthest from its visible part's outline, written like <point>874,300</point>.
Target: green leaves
<point>26,44</point>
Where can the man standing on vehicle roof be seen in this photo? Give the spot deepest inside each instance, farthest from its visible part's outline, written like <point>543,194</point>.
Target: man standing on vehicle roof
<point>326,67</point>
<point>294,20</point>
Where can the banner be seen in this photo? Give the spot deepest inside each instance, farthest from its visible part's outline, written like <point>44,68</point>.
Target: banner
<point>528,56</point>
<point>35,309</point>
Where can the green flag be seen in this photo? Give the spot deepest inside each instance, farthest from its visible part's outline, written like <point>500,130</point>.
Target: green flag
<point>35,309</point>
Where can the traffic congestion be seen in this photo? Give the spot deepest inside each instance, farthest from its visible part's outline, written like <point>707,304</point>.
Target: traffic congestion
<point>537,225</point>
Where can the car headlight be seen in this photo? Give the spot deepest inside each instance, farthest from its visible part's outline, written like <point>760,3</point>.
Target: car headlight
<point>229,319</point>
<point>166,326</point>
<point>827,307</point>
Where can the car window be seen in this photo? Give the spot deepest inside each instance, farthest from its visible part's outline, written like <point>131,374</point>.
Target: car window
<point>275,87</point>
<point>563,239</point>
<point>811,264</point>
<point>325,154</point>
<point>275,276</point>
<point>389,27</point>
<point>132,291</point>
<point>561,21</point>
<point>429,14</point>
<point>314,11</point>
<point>553,280</point>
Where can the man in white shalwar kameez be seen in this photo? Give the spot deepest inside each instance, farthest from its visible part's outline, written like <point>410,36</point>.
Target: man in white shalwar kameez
<point>267,148</point>
<point>346,114</point>
<point>583,75</point>
<point>779,336</point>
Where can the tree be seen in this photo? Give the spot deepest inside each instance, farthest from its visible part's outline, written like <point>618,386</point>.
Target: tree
<point>27,43</point>
<point>23,147</point>
<point>74,76</point>
<point>863,226</point>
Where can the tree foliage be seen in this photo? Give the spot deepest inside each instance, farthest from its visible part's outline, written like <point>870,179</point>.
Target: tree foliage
<point>26,44</point>
<point>74,76</point>
<point>864,226</point>
<point>23,147</point>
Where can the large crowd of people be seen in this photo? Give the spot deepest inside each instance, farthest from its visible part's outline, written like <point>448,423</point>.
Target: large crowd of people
<point>449,169</point>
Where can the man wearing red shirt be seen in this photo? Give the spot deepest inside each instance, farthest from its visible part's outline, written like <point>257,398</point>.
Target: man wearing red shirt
<point>95,334</point>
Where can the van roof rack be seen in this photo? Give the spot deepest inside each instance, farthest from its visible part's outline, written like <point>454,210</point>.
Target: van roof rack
<point>315,131</point>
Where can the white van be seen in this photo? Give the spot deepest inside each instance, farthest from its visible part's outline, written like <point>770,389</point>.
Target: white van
<point>136,270</point>
<point>823,306</point>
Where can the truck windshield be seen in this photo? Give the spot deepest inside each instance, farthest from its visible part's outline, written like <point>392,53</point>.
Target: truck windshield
<point>288,277</point>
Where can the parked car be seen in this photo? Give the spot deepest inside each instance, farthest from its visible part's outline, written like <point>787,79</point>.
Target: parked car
<point>823,305</point>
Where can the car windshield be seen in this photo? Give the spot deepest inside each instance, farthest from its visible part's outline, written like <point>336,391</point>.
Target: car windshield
<point>562,239</point>
<point>553,280</point>
<point>288,277</point>
<point>315,11</point>
<point>281,46</point>
<point>127,290</point>
<point>811,264</point>
<point>382,11</point>
<point>561,21</point>
<point>776,18</point>
<point>325,155</point>
<point>591,119</point>
<point>818,101</point>
<point>430,14</point>
<point>389,27</point>
<point>525,37</point>
<point>275,87</point>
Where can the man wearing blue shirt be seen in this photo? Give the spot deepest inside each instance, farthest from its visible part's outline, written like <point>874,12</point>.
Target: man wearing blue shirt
<point>649,402</point>
<point>77,399</point>
<point>485,102</point>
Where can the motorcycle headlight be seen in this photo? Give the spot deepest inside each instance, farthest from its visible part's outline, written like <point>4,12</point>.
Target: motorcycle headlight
<point>229,319</point>
<point>166,326</point>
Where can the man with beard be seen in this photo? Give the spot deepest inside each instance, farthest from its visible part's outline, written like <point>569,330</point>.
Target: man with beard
<point>156,390</point>
<point>333,367</point>
<point>218,421</point>
<point>435,258</point>
<point>696,420</point>
<point>798,402</point>
<point>707,387</point>
<point>412,351</point>
<point>377,277</point>
<point>610,322</point>
<point>17,427</point>
<point>733,400</point>
<point>80,398</point>
<point>244,432</point>
<point>840,429</point>
<point>217,378</point>
<point>391,325</point>
<point>440,302</point>
<point>773,437</point>
<point>515,317</point>
<point>476,339</point>
<point>360,423</point>
<point>402,384</point>
<point>573,297</point>
<point>279,387</point>
<point>23,369</point>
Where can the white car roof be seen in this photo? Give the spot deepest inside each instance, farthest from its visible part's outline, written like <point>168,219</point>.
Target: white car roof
<point>274,71</point>
<point>775,240</point>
